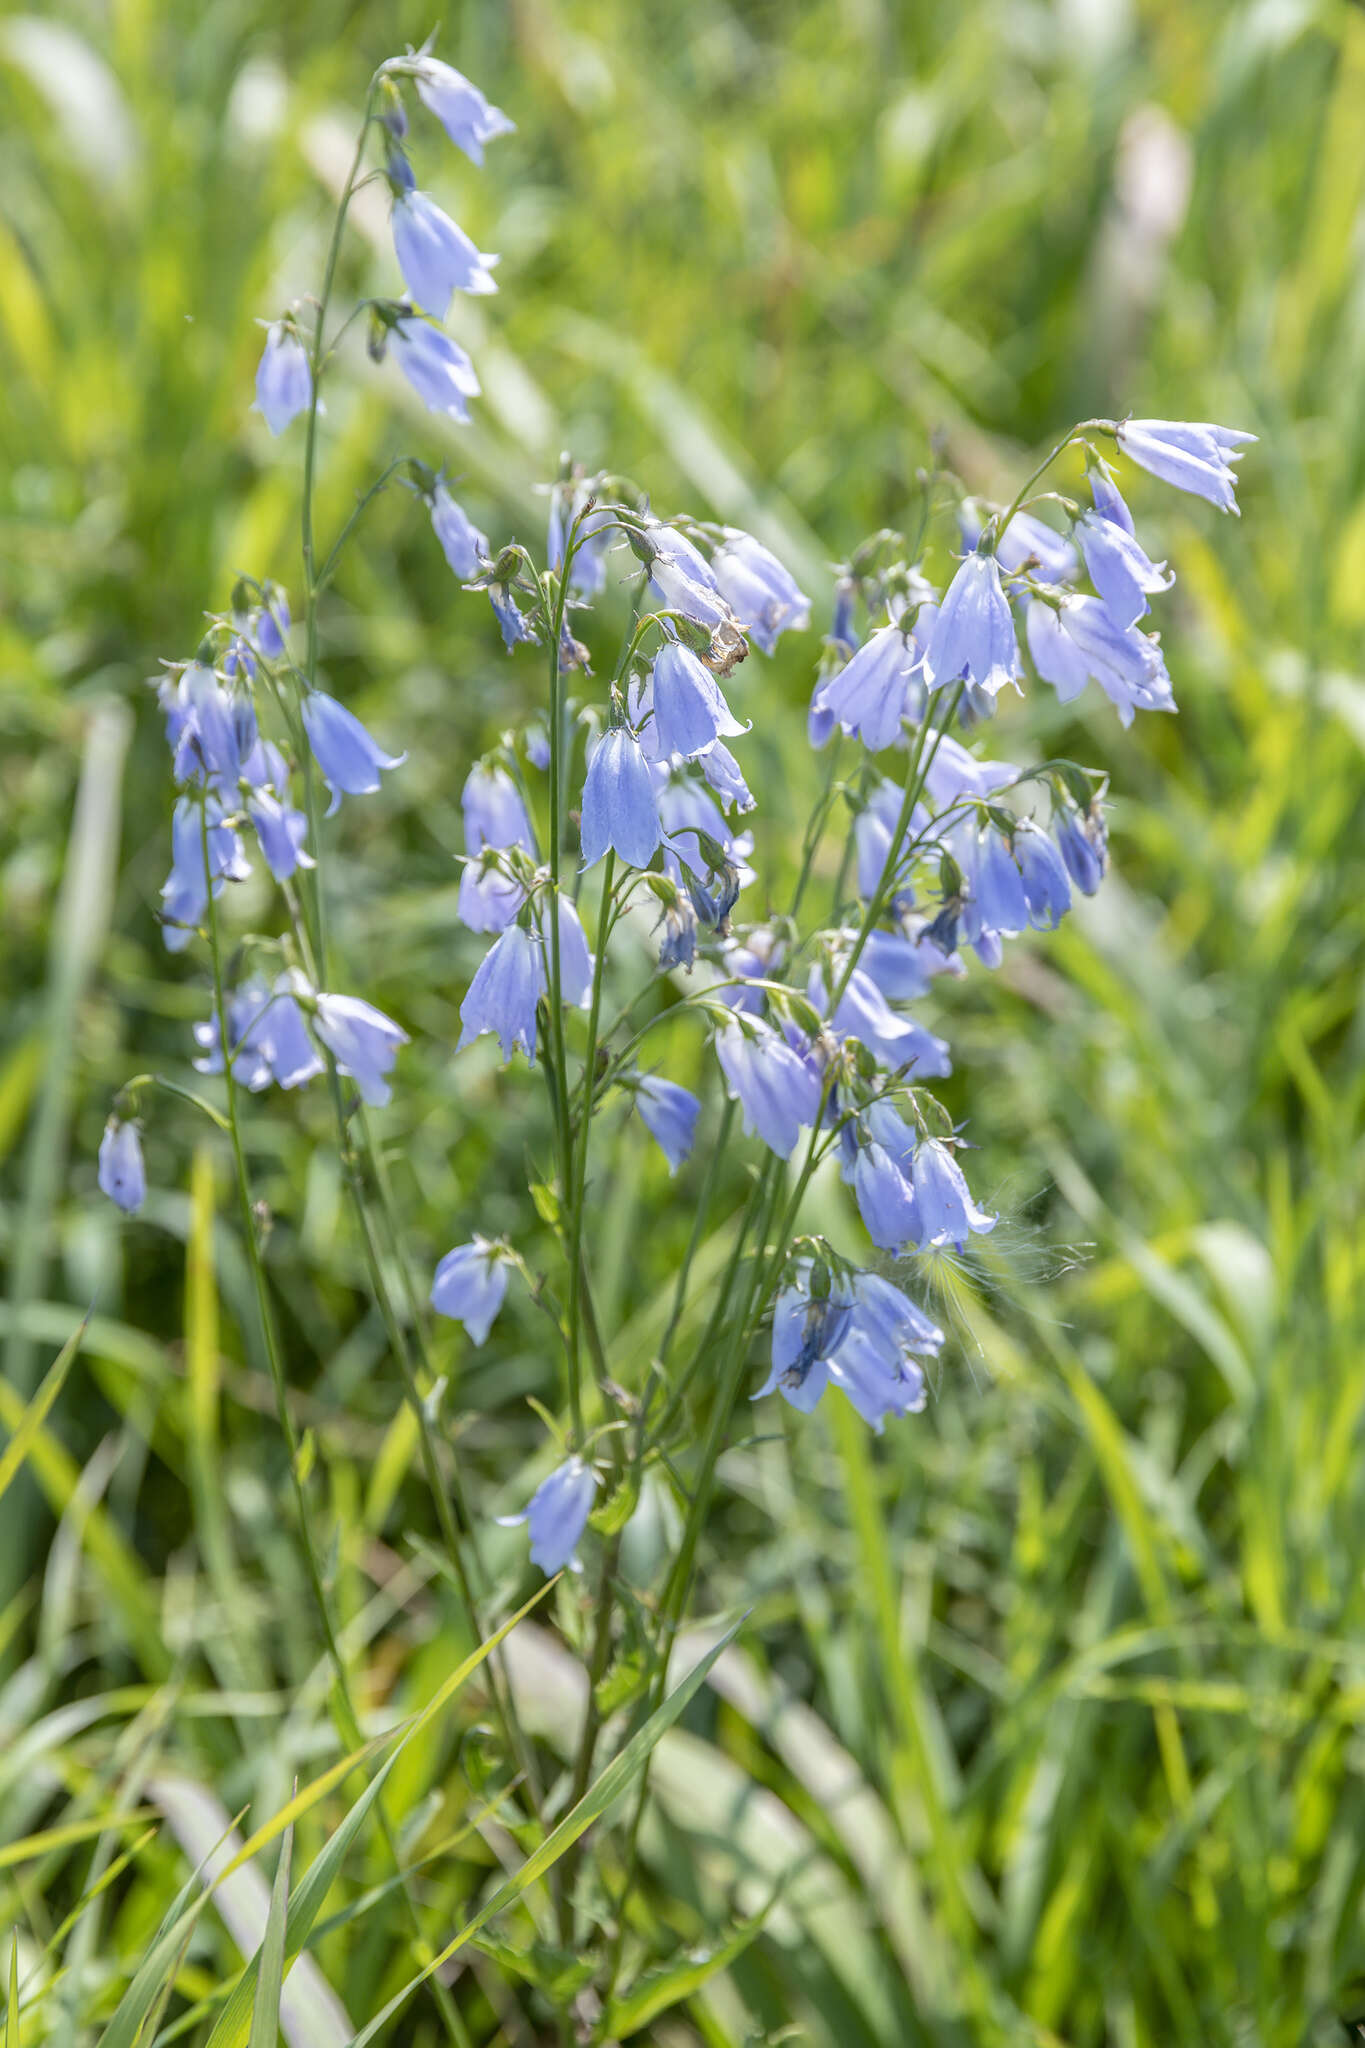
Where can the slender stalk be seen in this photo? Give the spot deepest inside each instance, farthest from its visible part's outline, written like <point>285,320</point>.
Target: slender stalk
<point>578,1190</point>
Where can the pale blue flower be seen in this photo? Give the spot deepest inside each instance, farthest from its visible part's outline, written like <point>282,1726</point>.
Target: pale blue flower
<point>1128,665</point>
<point>437,368</point>
<point>895,1042</point>
<point>1115,560</point>
<point>619,809</point>
<point>461,542</point>
<point>349,759</point>
<point>1056,656</point>
<point>688,814</point>
<point>363,1042</point>
<point>215,727</point>
<point>1083,842</point>
<point>1192,455</point>
<point>763,596</point>
<point>682,580</point>
<point>185,893</point>
<point>470,1284</point>
<point>973,634</point>
<point>284,380</point>
<point>269,1040</point>
<point>725,776</point>
<point>490,898</point>
<point>997,901</point>
<point>678,948</point>
<point>947,1211</point>
<point>669,1113</point>
<point>1026,544</point>
<point>273,622</point>
<point>868,694</point>
<point>575,958</point>
<point>436,257</point>
<point>494,814</point>
<point>1046,884</point>
<point>122,1175</point>
<point>467,117</point>
<point>863,1345</point>
<point>807,1331</point>
<point>954,773</point>
<point>886,1199</point>
<point>778,1091</point>
<point>690,711</point>
<point>281,831</point>
<point>503,995</point>
<point>557,1516</point>
<point>904,962</point>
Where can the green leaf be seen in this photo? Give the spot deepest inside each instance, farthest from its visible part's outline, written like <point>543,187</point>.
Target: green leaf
<point>658,1990</point>
<point>36,1413</point>
<point>265,2010</point>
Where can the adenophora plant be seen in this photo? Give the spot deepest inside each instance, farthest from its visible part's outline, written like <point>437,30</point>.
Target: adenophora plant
<point>623,797</point>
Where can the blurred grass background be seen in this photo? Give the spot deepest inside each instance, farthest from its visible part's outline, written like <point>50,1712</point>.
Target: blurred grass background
<point>1048,1722</point>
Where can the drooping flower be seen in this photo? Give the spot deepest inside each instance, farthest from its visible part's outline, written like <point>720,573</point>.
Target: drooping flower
<point>490,898</point>
<point>763,596</point>
<point>778,1091</point>
<point>867,695</point>
<point>1115,559</point>
<point>470,1284</point>
<point>903,962</point>
<point>996,902</point>
<point>619,809</point>
<point>284,380</point>
<point>861,1337</point>
<point>437,368</point>
<point>436,257</point>
<point>362,1040</point>
<point>185,892</point>
<point>1083,843</point>
<point>669,1113</point>
<point>268,1039</point>
<point>682,580</point>
<point>575,958</point>
<point>725,776</point>
<point>973,635</point>
<point>461,542</point>
<point>1128,665</point>
<point>886,1199</point>
<point>494,814</point>
<point>502,997</point>
<point>349,759</point>
<point>281,831</point>
<point>898,1043</point>
<point>946,1209</point>
<point>690,711</point>
<point>873,830</point>
<point>122,1175</point>
<point>557,1515</point>
<point>467,117</point>
<point>1056,656</point>
<point>1046,884</point>
<point>1030,543</point>
<point>214,728</point>
<point>1191,454</point>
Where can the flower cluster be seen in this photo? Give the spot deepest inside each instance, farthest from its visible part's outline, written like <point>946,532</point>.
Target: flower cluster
<point>624,796</point>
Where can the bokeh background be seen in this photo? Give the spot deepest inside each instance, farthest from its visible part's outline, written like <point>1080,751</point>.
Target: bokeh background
<point>1047,1723</point>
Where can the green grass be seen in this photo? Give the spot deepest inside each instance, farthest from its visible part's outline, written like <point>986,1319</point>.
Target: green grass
<point>1045,1724</point>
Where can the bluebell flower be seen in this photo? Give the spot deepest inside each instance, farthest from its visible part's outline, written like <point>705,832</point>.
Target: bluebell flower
<point>558,1515</point>
<point>490,898</point>
<point>973,633</point>
<point>1083,843</point>
<point>669,1113</point>
<point>511,621</point>
<point>954,773</point>
<point>536,741</point>
<point>502,997</point>
<point>724,774</point>
<point>1128,665</point>
<point>467,117</point>
<point>868,694</point>
<point>763,596</point>
<point>1115,559</point>
<point>185,893</point>
<point>873,827</point>
<point>211,732</point>
<point>619,809</point>
<point>269,1040</point>
<point>687,811</point>
<point>678,947</point>
<point>437,368</point>
<point>888,1315</point>
<point>362,1040</point>
<point>997,899</point>
<point>946,1209</point>
<point>284,380</point>
<point>1192,455</point>
<point>436,257</point>
<point>861,1341</point>
<point>898,1043</point>
<point>1046,884</point>
<point>690,711</point>
<point>273,622</point>
<point>877,1380</point>
<point>682,580</point>
<point>820,719</point>
<point>494,814</point>
<point>349,759</point>
<point>1056,656</point>
<point>575,958</point>
<point>778,1091</point>
<point>281,831</point>
<point>461,542</point>
<point>469,1286</point>
<point>807,1331</point>
<point>886,1199</point>
<point>122,1175</point>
